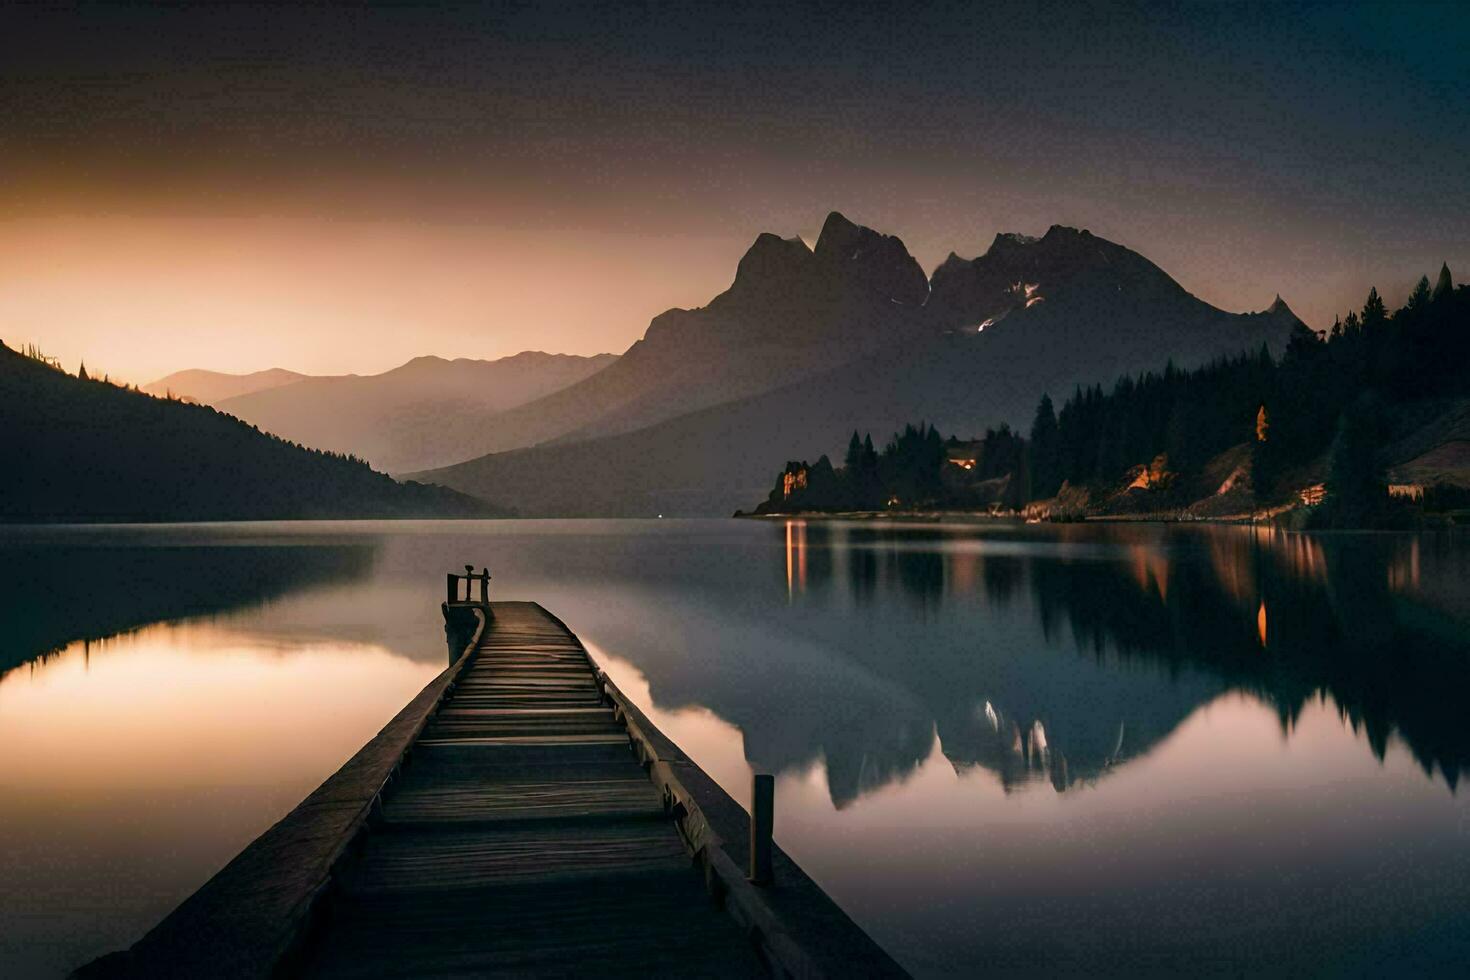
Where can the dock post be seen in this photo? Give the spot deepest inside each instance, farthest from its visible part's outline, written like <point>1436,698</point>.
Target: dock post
<point>762,819</point>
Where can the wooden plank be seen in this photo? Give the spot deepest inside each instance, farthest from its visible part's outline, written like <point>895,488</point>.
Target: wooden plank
<point>524,782</point>
<point>639,924</point>
<point>544,851</point>
<point>524,800</point>
<point>513,831</point>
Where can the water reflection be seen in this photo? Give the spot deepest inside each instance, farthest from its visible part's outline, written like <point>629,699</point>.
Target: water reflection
<point>58,587</point>
<point>1164,620</point>
<point>1056,748</point>
<point>132,775</point>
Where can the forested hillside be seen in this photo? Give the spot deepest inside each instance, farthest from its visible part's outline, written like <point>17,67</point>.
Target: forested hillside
<point>74,448</point>
<point>1378,392</point>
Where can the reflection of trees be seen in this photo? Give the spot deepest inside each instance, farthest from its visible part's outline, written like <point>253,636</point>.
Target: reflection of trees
<point>53,595</point>
<point>1003,576</point>
<point>908,559</point>
<point>1166,619</point>
<point>1290,619</point>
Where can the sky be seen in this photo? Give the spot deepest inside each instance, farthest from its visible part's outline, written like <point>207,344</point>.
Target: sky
<point>338,190</point>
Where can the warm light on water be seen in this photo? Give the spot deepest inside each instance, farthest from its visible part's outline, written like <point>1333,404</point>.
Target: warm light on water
<point>197,706</point>
<point>1034,751</point>
<point>133,769</point>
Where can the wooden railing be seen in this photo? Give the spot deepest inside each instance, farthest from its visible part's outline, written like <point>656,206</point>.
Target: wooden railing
<point>797,927</point>
<point>469,578</point>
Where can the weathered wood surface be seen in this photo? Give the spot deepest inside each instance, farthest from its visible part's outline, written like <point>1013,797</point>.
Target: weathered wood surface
<point>502,826</point>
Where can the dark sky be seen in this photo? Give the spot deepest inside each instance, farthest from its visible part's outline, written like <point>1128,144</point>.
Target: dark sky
<point>557,174</point>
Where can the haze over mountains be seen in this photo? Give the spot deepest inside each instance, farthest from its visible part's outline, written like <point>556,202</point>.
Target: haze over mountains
<point>211,387</point>
<point>423,413</point>
<point>808,344</point>
<point>77,449</point>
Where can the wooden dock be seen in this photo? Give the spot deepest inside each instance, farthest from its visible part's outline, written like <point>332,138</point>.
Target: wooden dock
<point>519,817</point>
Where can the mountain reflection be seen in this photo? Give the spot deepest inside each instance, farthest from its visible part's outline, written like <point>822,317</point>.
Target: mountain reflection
<point>53,593</point>
<point>1165,620</point>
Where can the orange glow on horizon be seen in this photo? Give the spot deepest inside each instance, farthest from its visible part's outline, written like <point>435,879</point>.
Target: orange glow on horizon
<point>142,297</point>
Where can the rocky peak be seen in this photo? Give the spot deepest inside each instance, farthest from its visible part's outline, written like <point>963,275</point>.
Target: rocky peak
<point>951,262</point>
<point>951,269</point>
<point>840,236</point>
<point>1010,241</point>
<point>1067,265</point>
<point>1281,313</point>
<point>857,255</point>
<point>771,263</point>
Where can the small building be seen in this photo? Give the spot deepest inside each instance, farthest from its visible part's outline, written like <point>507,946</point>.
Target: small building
<point>1407,491</point>
<point>965,455</point>
<point>1312,495</point>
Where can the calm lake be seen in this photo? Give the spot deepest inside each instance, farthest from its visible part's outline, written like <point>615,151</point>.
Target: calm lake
<point>1102,750</point>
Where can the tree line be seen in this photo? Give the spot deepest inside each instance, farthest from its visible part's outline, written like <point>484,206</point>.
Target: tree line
<point>81,448</point>
<point>1326,409</point>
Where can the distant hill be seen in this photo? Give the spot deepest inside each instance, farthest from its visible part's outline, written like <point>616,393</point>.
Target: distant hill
<point>867,346</point>
<point>73,449</point>
<point>427,412</point>
<point>213,387</point>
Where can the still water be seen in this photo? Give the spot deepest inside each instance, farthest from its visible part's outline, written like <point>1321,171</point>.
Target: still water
<point>1113,750</point>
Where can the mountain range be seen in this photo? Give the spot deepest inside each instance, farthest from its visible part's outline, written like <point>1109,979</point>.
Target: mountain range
<point>211,387</point>
<point>423,413</point>
<point>809,343</point>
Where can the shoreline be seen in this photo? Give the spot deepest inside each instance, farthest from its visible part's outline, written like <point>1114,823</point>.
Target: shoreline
<point>1011,518</point>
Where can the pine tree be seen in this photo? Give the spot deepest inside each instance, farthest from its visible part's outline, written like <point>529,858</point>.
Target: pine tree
<point>1374,313</point>
<point>1356,488</point>
<point>866,487</point>
<point>853,461</point>
<point>1419,298</point>
<point>82,372</point>
<point>1046,476</point>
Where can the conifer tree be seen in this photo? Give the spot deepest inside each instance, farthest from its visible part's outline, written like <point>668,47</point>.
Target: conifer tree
<point>1419,298</point>
<point>1356,489</point>
<point>1046,476</point>
<point>853,461</point>
<point>1374,313</point>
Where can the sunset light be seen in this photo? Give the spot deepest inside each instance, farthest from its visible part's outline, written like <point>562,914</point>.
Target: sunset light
<point>760,490</point>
